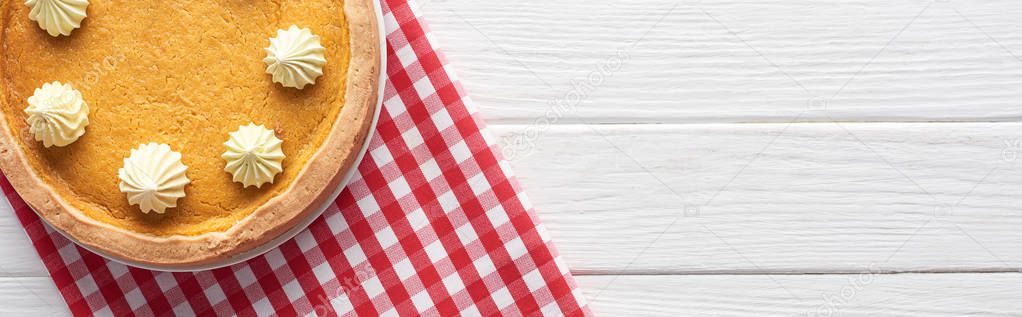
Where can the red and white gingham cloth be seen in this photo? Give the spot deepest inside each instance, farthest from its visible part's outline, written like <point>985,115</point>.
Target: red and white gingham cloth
<point>433,223</point>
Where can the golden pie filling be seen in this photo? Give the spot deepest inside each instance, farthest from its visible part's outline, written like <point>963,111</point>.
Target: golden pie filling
<point>180,72</point>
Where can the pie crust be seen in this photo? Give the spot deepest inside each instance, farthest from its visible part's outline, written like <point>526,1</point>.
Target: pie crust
<point>313,186</point>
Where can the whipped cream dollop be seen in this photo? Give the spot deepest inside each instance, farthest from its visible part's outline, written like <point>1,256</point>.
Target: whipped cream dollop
<point>253,155</point>
<point>153,177</point>
<point>295,57</point>
<point>57,17</point>
<point>57,114</point>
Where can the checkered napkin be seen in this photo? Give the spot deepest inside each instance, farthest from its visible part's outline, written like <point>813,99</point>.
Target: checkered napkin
<point>433,223</point>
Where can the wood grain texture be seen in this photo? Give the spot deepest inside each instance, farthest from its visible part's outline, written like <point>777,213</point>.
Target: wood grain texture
<point>718,295</point>
<point>806,295</point>
<point>807,197</point>
<point>739,198</point>
<point>735,60</point>
<point>18,258</point>
<point>32,296</point>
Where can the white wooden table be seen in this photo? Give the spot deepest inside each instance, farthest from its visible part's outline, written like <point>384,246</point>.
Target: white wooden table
<point>733,158</point>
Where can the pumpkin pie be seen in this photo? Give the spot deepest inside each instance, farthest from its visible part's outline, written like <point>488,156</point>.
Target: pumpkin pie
<point>183,77</point>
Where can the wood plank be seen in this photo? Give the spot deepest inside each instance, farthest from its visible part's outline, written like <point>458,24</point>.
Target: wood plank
<point>35,296</point>
<point>806,295</point>
<point>814,197</point>
<point>759,197</point>
<point>17,256</point>
<point>718,295</point>
<point>735,60</point>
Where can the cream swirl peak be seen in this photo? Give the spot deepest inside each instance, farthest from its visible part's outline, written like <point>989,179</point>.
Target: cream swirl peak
<point>253,155</point>
<point>153,177</point>
<point>57,114</point>
<point>295,57</point>
<point>57,17</point>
